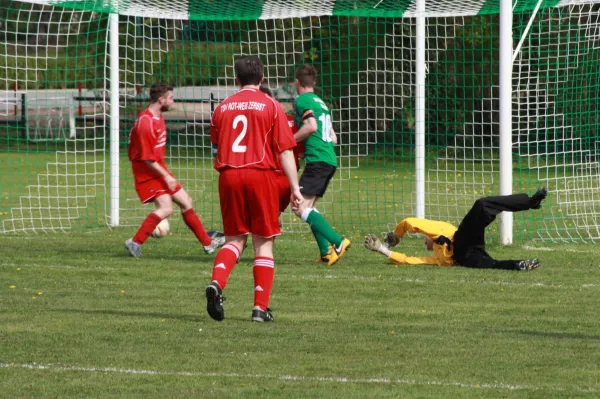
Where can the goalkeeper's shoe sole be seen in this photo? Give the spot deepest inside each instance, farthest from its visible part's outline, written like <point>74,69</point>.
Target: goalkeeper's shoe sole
<point>262,316</point>
<point>336,254</point>
<point>214,302</point>
<point>134,248</point>
<point>537,198</point>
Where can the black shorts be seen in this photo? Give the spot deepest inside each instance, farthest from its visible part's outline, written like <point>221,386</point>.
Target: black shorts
<point>316,177</point>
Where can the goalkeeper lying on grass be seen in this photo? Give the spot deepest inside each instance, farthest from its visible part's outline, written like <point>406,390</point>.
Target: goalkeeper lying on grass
<point>464,246</point>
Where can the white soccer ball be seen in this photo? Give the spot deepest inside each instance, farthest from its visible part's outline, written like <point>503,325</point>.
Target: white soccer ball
<point>162,229</point>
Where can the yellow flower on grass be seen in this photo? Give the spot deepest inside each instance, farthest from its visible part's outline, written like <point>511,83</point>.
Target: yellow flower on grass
<point>12,287</point>
<point>122,291</point>
<point>40,293</point>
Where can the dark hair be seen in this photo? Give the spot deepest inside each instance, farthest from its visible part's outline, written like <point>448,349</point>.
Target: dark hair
<point>158,90</point>
<point>307,76</point>
<point>266,90</point>
<point>249,70</point>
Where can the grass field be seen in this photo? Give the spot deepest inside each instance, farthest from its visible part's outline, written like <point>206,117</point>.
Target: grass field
<point>79,318</point>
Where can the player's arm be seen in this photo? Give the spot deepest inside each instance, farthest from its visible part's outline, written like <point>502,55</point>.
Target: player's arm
<point>309,126</point>
<point>393,238</point>
<point>372,243</point>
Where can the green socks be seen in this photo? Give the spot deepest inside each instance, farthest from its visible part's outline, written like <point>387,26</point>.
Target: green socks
<point>321,229</point>
<point>321,242</point>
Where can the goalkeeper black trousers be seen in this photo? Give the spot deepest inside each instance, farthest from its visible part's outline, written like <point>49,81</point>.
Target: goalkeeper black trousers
<point>469,239</point>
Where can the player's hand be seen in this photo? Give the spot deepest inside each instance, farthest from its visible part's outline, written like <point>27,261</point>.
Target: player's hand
<point>372,242</point>
<point>390,239</point>
<point>171,182</point>
<point>334,138</point>
<point>296,199</point>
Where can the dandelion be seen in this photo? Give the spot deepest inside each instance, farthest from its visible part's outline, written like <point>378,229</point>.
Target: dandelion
<point>12,287</point>
<point>40,293</point>
<point>122,291</point>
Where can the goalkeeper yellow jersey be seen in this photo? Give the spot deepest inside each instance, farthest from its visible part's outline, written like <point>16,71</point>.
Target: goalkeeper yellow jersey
<point>442,255</point>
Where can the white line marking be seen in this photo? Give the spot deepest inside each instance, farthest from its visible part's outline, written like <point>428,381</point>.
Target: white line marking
<point>581,251</point>
<point>35,366</point>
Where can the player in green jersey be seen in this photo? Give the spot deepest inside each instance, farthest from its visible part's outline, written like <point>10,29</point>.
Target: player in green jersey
<point>314,119</point>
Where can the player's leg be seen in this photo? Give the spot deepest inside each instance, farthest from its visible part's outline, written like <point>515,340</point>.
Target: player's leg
<point>236,226</point>
<point>164,209</point>
<point>225,262</point>
<point>471,231</point>
<point>193,222</point>
<point>264,275</point>
<point>307,208</point>
<point>264,226</point>
<point>481,260</point>
<point>313,184</point>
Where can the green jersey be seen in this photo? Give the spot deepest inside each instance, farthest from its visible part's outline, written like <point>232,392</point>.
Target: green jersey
<point>319,146</point>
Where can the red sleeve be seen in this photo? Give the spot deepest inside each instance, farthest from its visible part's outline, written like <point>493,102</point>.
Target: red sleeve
<point>284,138</point>
<point>214,132</point>
<point>147,139</point>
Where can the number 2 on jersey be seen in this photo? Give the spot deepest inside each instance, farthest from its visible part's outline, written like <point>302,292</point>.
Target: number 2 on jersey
<point>236,144</point>
<point>326,127</point>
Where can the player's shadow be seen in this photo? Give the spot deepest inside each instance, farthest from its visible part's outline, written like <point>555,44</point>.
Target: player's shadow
<point>127,313</point>
<point>552,334</point>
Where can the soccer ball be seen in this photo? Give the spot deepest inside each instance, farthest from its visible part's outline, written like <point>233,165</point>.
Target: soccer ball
<point>162,229</point>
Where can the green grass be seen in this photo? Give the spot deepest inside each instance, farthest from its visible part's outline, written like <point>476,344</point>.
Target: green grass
<point>76,305</point>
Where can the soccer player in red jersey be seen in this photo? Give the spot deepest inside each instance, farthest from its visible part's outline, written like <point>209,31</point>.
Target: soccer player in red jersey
<point>153,180</point>
<point>250,131</point>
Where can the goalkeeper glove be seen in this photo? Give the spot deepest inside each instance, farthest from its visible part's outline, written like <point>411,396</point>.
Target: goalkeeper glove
<point>373,243</point>
<point>390,239</point>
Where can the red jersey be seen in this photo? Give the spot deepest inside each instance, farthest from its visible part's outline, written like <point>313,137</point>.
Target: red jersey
<point>299,148</point>
<point>147,142</point>
<point>250,130</point>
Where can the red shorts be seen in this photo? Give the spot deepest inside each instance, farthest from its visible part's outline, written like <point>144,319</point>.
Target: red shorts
<point>149,190</point>
<point>249,202</point>
<point>285,192</point>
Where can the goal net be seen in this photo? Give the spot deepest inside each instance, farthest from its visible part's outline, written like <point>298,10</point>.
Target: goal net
<point>54,105</point>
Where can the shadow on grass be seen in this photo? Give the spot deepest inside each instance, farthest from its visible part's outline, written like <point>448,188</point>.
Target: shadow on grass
<point>553,335</point>
<point>112,312</point>
<point>196,318</point>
